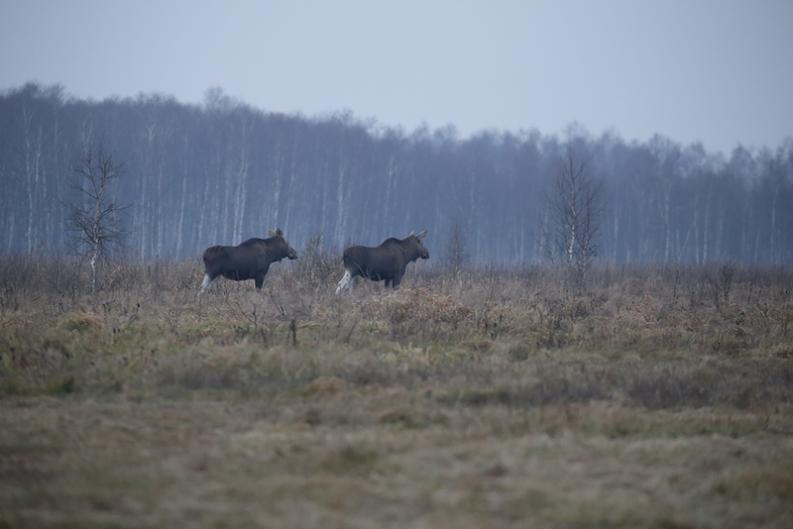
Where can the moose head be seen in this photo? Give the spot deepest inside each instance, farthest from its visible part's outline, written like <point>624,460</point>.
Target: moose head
<point>414,240</point>
<point>280,245</point>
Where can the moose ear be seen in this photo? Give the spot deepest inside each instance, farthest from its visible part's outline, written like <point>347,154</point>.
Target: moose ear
<point>421,234</point>
<point>276,233</point>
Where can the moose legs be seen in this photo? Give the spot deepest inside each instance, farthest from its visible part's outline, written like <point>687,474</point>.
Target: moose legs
<point>259,277</point>
<point>205,283</point>
<point>345,282</point>
<point>209,280</point>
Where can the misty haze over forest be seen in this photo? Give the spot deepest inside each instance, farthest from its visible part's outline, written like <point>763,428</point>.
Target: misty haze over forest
<point>224,171</point>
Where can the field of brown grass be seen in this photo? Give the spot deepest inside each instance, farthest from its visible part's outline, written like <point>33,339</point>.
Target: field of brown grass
<point>653,397</point>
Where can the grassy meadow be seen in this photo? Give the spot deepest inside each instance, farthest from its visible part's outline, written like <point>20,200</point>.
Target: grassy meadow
<point>652,398</point>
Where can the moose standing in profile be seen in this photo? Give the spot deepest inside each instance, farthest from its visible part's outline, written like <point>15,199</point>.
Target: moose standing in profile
<point>386,262</point>
<point>249,260</point>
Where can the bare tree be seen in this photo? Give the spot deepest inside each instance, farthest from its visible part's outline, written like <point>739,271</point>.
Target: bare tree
<point>95,216</point>
<point>456,251</point>
<point>570,226</point>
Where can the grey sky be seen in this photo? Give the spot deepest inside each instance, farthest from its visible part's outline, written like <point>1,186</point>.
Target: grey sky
<point>718,71</point>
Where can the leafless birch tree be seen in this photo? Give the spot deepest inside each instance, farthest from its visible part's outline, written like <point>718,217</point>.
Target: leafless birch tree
<point>95,216</point>
<point>572,221</point>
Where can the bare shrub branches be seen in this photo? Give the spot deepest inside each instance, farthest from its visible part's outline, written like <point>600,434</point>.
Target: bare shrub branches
<point>456,249</point>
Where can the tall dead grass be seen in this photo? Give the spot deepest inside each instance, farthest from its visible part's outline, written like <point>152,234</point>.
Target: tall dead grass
<point>148,326</point>
<point>475,398</point>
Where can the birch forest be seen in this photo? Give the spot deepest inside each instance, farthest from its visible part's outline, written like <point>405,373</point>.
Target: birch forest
<point>223,171</point>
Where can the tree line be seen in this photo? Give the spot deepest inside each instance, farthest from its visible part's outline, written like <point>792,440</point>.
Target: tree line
<point>223,171</point>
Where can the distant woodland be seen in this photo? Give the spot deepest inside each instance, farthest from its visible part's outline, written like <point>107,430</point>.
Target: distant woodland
<point>222,171</point>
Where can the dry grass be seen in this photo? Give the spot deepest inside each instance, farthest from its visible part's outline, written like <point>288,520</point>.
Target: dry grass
<point>654,398</point>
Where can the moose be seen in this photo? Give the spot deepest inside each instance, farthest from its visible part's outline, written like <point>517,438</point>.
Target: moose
<point>386,262</point>
<point>248,260</point>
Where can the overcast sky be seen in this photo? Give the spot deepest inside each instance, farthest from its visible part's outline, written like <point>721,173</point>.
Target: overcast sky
<point>716,71</point>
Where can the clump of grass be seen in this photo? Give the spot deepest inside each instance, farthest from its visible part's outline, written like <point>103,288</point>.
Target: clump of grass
<point>350,459</point>
<point>420,312</point>
<point>326,385</point>
<point>407,418</point>
<point>758,483</point>
<point>544,392</point>
<point>519,352</point>
<point>81,321</point>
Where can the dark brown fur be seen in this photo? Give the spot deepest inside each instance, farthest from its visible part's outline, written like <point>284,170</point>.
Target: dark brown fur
<point>248,260</point>
<point>386,262</point>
